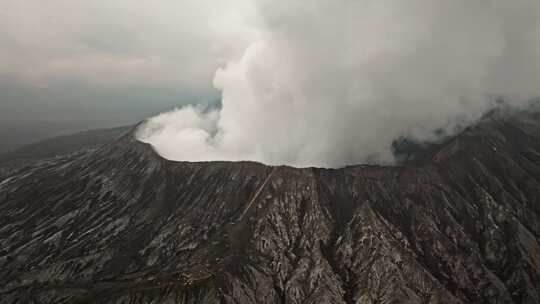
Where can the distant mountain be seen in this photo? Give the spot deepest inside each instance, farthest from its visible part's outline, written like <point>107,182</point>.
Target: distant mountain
<point>120,224</point>
<point>15,134</point>
<point>66,144</point>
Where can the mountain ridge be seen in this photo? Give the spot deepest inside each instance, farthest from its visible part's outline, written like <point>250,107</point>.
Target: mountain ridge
<point>123,225</point>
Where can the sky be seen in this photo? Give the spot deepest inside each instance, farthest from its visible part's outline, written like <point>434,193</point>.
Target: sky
<point>112,62</point>
<point>304,83</point>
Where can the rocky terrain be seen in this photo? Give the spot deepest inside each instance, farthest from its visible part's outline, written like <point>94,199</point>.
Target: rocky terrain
<point>122,225</point>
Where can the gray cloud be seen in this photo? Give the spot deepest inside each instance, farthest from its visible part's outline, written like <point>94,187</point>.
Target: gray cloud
<point>331,83</point>
<point>120,42</point>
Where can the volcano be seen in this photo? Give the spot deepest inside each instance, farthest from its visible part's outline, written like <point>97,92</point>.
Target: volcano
<point>120,224</point>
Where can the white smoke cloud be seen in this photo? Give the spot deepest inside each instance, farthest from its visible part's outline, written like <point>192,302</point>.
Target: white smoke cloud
<point>331,83</point>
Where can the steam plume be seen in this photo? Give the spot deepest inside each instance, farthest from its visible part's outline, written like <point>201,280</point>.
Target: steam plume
<point>331,83</point>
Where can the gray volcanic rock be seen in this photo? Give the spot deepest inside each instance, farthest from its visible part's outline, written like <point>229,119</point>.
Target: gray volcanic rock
<point>123,225</point>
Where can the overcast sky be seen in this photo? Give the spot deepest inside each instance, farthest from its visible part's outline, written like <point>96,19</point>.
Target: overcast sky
<point>113,60</point>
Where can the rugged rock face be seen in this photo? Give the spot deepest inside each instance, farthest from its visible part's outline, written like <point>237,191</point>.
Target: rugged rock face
<point>123,225</point>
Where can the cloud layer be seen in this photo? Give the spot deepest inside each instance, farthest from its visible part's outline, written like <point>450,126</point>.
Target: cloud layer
<point>120,42</point>
<point>331,83</point>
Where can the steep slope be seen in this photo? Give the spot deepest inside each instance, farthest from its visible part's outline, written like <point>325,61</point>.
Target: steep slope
<point>123,225</point>
<point>17,159</point>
